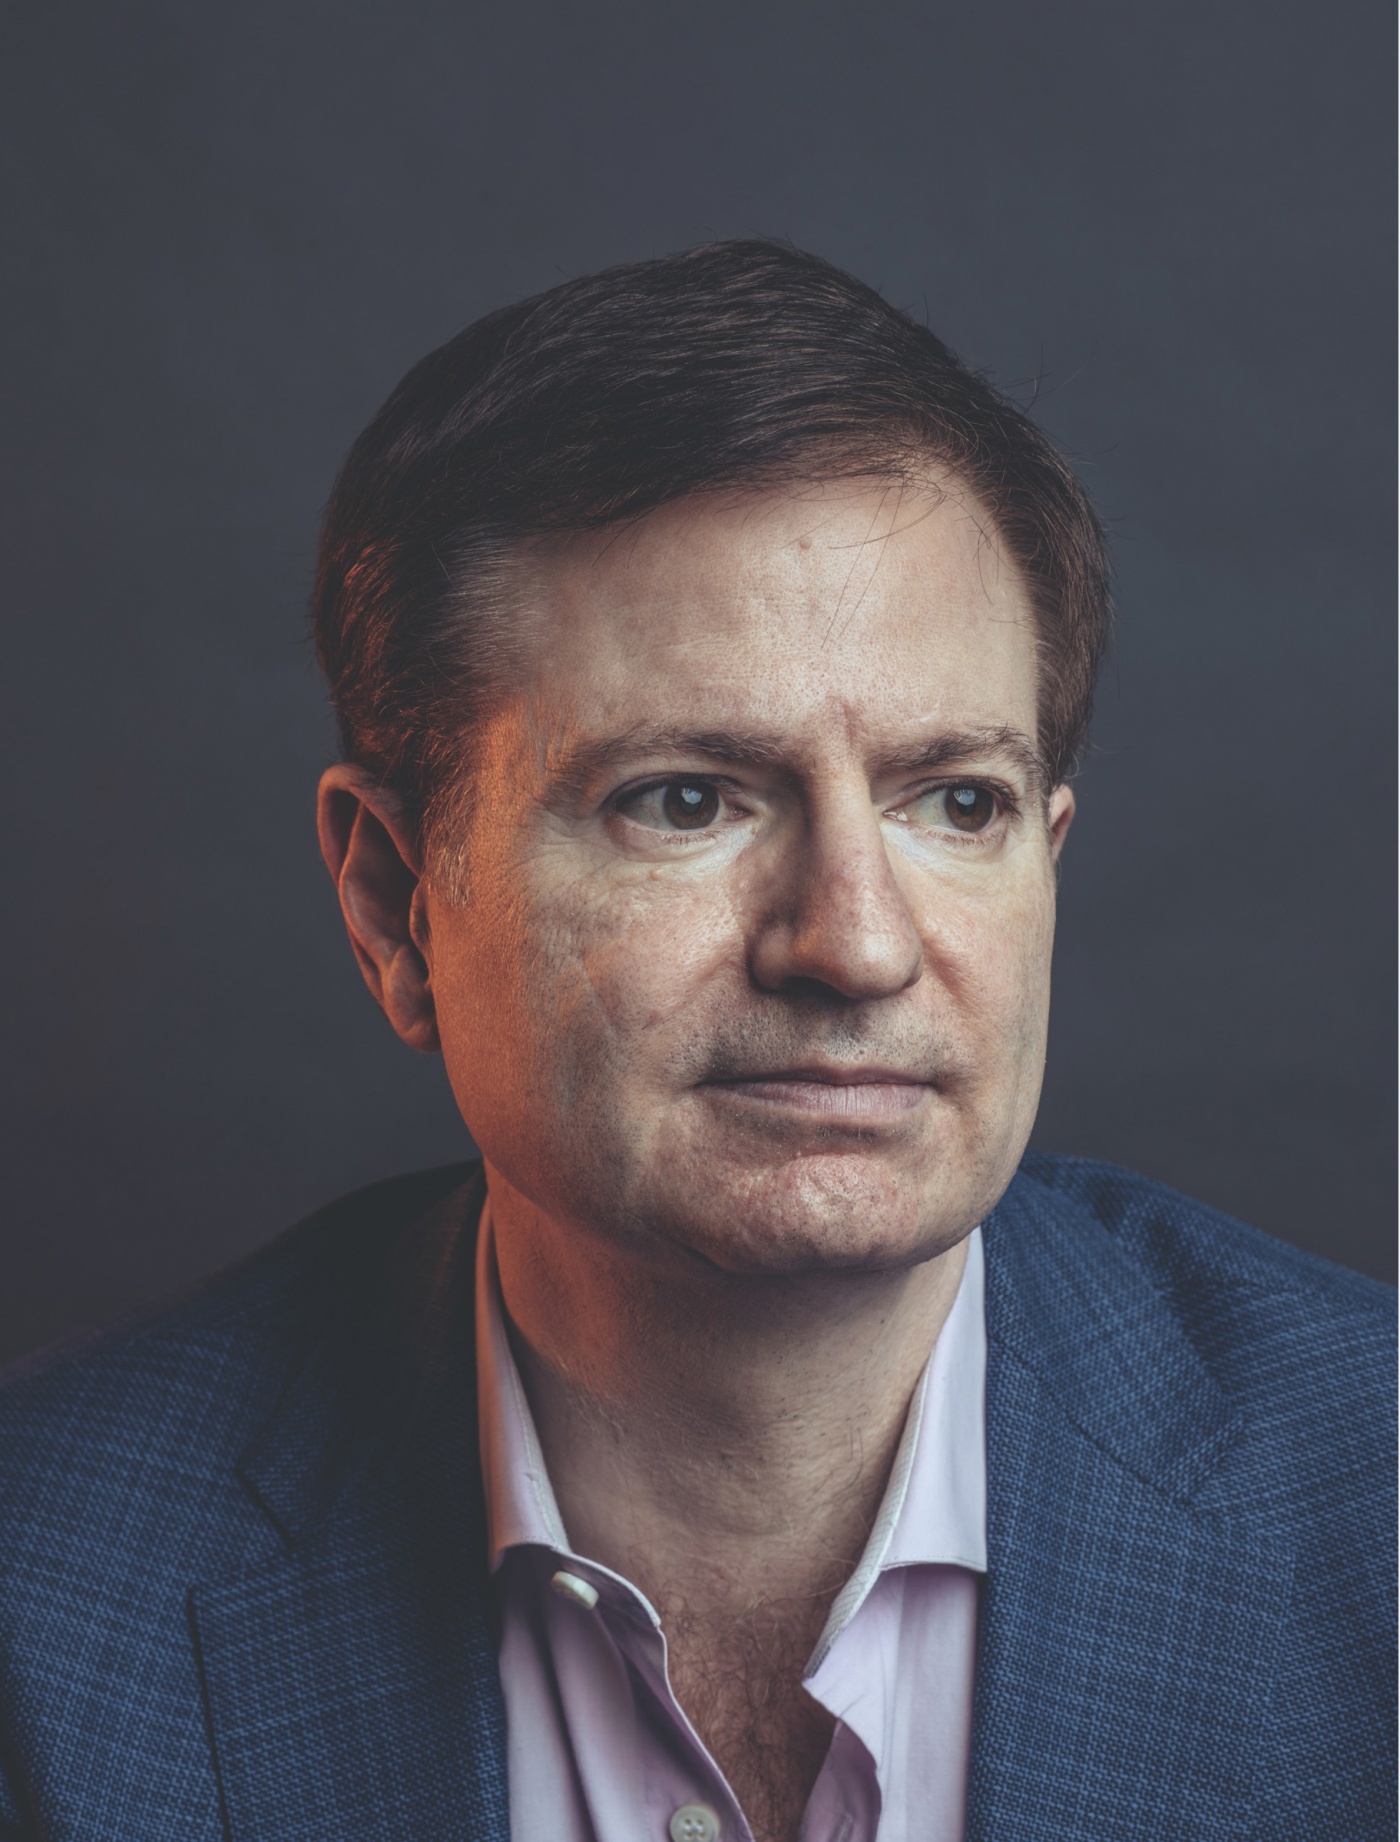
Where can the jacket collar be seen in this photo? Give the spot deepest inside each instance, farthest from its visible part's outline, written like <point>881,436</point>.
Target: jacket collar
<point>1078,1311</point>
<point>1128,1635</point>
<point>350,1680</point>
<point>373,1321</point>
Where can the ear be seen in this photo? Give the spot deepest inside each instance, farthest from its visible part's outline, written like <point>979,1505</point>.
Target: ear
<point>1061,816</point>
<point>373,864</point>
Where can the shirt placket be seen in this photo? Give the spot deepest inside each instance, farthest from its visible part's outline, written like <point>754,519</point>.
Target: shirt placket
<point>680,1788</point>
<point>684,1781</point>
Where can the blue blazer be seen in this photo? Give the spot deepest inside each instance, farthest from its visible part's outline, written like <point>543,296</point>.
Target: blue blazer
<point>243,1591</point>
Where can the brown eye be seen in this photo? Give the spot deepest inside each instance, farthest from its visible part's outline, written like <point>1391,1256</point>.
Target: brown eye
<point>690,805</point>
<point>970,808</point>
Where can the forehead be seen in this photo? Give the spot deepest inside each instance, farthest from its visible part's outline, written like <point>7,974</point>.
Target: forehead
<point>860,604</point>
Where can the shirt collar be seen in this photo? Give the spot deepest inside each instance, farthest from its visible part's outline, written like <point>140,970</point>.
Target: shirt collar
<point>521,1507</point>
<point>934,1510</point>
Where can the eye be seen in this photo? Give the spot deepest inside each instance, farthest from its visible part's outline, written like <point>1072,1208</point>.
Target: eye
<point>675,805</point>
<point>970,808</point>
<point>690,805</point>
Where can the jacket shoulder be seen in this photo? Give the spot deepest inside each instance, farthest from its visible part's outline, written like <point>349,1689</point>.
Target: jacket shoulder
<point>160,1403</point>
<point>1172,1233</point>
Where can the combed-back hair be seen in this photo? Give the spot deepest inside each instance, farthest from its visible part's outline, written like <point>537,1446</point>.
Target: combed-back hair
<point>736,364</point>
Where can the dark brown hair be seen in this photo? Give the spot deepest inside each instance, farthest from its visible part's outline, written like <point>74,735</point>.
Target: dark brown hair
<point>736,364</point>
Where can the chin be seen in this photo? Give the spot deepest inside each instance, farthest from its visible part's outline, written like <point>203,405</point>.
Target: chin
<point>823,1215</point>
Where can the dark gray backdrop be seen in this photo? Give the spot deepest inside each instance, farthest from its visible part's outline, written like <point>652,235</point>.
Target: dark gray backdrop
<point>235,227</point>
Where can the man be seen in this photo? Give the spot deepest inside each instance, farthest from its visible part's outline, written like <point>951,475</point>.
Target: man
<point>747,1447</point>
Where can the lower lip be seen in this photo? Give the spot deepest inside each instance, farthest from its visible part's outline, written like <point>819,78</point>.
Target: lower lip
<point>861,1103</point>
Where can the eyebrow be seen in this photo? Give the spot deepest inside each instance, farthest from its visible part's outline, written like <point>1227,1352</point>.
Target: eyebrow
<point>957,745</point>
<point>575,769</point>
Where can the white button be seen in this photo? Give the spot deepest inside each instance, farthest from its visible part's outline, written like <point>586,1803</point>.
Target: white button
<point>570,1586</point>
<point>694,1823</point>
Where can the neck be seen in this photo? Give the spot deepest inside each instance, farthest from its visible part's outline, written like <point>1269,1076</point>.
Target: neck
<point>718,1438</point>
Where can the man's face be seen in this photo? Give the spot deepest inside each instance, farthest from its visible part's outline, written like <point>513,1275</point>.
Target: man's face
<point>750,957</point>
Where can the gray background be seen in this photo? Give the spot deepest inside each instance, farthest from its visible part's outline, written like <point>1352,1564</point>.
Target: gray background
<point>234,227</point>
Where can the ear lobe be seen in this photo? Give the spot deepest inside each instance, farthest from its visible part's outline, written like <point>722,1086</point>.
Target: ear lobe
<point>371,859</point>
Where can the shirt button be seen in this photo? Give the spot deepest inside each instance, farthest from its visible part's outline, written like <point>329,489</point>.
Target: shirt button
<point>694,1823</point>
<point>570,1586</point>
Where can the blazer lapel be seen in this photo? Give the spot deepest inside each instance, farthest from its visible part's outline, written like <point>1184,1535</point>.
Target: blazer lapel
<point>350,1679</point>
<point>1128,1636</point>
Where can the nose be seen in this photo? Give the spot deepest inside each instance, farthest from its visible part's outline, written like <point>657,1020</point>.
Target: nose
<point>835,913</point>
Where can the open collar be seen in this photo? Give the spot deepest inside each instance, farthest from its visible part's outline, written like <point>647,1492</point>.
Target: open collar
<point>934,1506</point>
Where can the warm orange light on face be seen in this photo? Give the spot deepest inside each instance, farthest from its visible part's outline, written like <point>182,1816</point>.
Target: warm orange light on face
<point>810,1028</point>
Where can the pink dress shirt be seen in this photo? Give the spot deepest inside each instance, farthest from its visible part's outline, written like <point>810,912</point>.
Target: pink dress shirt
<point>598,1748</point>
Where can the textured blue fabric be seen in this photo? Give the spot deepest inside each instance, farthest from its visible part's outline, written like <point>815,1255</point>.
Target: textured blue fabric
<point>243,1590</point>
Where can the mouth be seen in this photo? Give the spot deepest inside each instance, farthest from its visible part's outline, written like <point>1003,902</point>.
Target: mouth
<point>855,1096</point>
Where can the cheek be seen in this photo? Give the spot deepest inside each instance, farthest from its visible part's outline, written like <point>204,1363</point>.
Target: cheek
<point>988,950</point>
<point>569,986</point>
<point>642,958</point>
